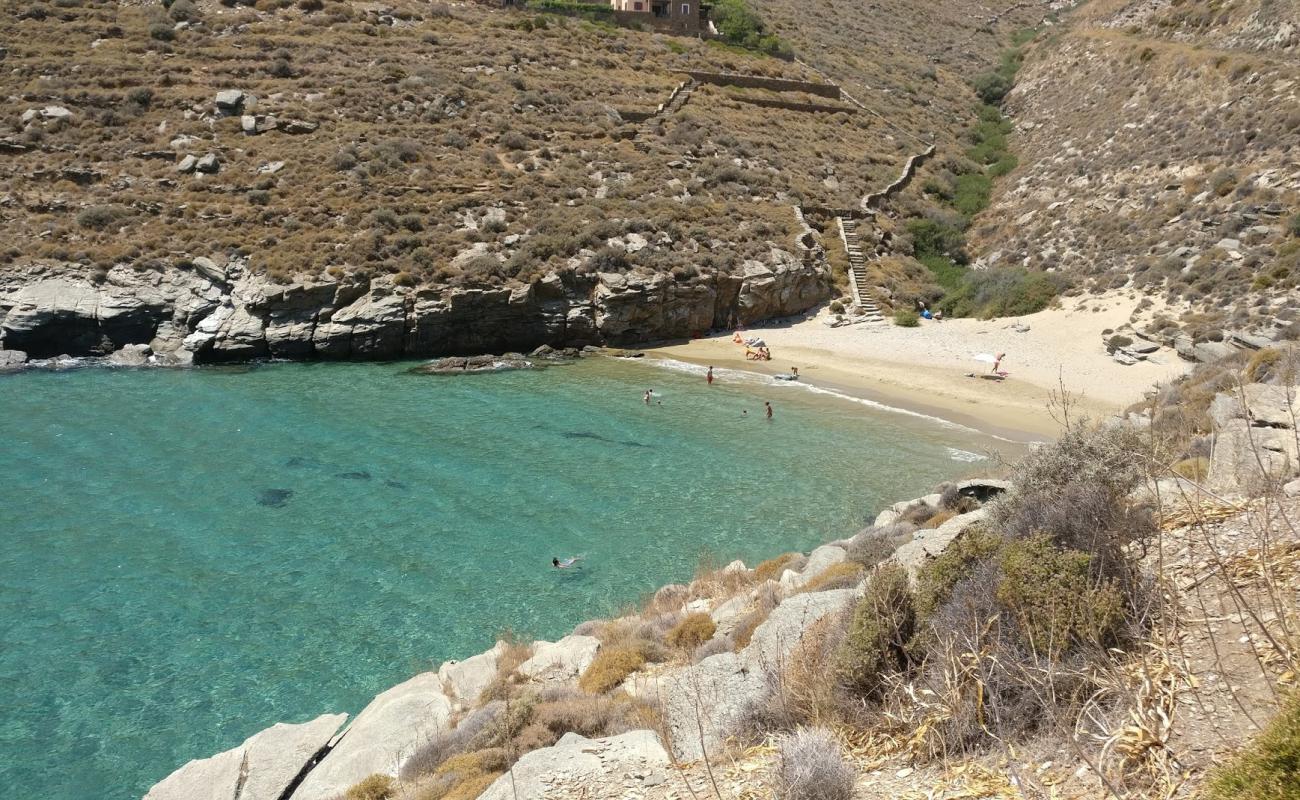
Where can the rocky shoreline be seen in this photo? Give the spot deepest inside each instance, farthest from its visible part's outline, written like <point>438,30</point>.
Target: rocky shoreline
<point>199,311</point>
<point>321,759</point>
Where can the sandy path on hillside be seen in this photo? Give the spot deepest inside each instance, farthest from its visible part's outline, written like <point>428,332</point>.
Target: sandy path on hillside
<point>924,369</point>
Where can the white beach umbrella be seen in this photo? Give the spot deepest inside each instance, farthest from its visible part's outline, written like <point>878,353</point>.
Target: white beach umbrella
<point>987,358</point>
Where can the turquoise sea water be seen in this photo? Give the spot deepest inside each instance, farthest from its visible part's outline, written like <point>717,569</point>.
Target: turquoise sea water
<point>189,556</point>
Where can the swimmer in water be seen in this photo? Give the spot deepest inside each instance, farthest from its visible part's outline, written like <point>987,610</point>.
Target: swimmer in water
<point>566,563</point>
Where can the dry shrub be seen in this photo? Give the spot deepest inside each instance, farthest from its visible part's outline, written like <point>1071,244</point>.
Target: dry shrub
<point>769,597</point>
<point>714,646</point>
<point>883,624</point>
<point>375,787</point>
<point>1196,468</point>
<point>917,513</point>
<point>564,710</point>
<point>474,731</point>
<point>938,519</point>
<point>470,786</point>
<point>874,545</point>
<point>836,576</point>
<point>772,568</point>
<point>610,668</point>
<point>693,631</point>
<point>515,653</point>
<point>811,766</point>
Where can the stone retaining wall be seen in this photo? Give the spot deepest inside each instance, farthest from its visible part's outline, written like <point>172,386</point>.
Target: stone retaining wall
<point>774,84</point>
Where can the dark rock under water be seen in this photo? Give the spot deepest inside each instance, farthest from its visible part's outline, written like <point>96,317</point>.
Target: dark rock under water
<point>360,475</point>
<point>275,498</point>
<point>597,437</point>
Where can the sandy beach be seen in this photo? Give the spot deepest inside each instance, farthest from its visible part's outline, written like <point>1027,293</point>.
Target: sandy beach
<point>926,368</point>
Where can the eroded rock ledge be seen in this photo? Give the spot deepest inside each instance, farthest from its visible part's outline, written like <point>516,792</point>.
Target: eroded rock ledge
<point>207,312</point>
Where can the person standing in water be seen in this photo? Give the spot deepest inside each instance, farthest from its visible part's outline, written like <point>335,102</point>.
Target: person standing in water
<point>648,392</point>
<point>708,376</point>
<point>768,405</point>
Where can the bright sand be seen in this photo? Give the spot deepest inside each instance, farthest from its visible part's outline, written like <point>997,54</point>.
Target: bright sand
<point>925,368</point>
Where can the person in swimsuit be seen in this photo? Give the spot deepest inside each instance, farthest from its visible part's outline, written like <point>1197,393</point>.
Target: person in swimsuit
<point>768,405</point>
<point>709,376</point>
<point>566,563</point>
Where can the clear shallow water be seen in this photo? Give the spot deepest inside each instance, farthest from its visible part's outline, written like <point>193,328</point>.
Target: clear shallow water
<point>189,556</point>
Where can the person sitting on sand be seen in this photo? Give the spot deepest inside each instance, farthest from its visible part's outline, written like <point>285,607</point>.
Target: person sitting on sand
<point>566,563</point>
<point>764,353</point>
<point>735,339</point>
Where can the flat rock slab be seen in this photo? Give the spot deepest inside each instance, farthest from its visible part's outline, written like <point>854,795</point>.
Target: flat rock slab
<point>259,769</point>
<point>819,560</point>
<point>565,660</point>
<point>382,738</point>
<point>596,769</point>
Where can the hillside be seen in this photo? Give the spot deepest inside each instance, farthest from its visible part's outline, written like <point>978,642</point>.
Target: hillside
<point>411,151</point>
<point>1157,145</point>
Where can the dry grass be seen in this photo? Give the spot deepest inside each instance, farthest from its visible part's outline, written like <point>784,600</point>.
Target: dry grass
<point>837,576</point>
<point>610,668</point>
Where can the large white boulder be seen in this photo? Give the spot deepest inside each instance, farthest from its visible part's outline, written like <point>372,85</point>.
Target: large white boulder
<point>557,662</point>
<point>819,560</point>
<point>595,769</point>
<point>259,769</point>
<point>466,680</point>
<point>382,738</point>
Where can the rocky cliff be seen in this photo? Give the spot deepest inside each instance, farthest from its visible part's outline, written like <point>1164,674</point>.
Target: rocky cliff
<point>204,312</point>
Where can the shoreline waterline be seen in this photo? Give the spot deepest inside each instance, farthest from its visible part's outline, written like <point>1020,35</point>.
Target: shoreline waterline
<point>814,379</point>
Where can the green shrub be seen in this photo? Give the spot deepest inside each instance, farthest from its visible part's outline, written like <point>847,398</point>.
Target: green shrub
<point>1054,599</point>
<point>971,193</point>
<point>936,238</point>
<point>935,581</point>
<point>1010,292</point>
<point>741,26</point>
<point>1293,225</point>
<point>101,217</point>
<point>376,787</point>
<point>693,631</point>
<point>906,318</point>
<point>882,625</point>
<point>1270,768</point>
<point>992,87</point>
<point>183,11</point>
<point>610,668</point>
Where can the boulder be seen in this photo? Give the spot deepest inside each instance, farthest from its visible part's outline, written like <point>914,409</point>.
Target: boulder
<point>819,560</point>
<point>703,704</point>
<point>777,637</point>
<point>187,164</point>
<point>927,544</point>
<point>259,769</point>
<point>12,359</point>
<point>208,164</point>
<point>466,680</point>
<point>1292,489</point>
<point>382,738</point>
<point>596,769</point>
<point>230,100</point>
<point>132,355</point>
<point>1265,406</point>
<point>297,126</point>
<point>1247,459</point>
<point>562,661</point>
<point>726,616</point>
<point>892,514</point>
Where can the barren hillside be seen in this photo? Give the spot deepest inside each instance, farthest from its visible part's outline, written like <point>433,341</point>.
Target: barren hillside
<point>1157,145</point>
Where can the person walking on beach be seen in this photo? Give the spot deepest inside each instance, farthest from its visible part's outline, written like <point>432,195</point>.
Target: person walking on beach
<point>997,362</point>
<point>708,376</point>
<point>768,405</point>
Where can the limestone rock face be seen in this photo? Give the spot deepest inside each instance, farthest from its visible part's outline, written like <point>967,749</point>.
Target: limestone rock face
<point>1255,439</point>
<point>382,737</point>
<point>565,660</point>
<point>259,769</point>
<point>208,311</point>
<point>599,769</point>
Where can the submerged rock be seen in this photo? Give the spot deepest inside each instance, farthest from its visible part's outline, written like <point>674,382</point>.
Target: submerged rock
<point>360,475</point>
<point>275,498</point>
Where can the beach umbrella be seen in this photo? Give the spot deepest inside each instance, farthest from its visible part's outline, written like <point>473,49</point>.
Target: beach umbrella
<point>987,358</point>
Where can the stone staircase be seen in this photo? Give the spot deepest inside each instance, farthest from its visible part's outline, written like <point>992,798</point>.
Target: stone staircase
<point>674,104</point>
<point>858,284</point>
